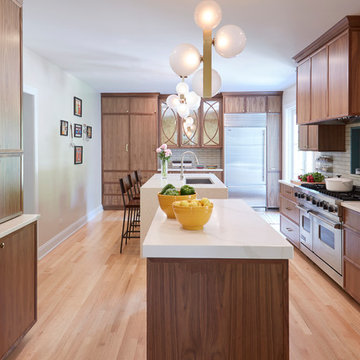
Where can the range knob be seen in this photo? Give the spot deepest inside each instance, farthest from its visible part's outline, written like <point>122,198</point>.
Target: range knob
<point>320,204</point>
<point>308,198</point>
<point>302,196</point>
<point>325,206</point>
<point>331,209</point>
<point>296,194</point>
<point>314,201</point>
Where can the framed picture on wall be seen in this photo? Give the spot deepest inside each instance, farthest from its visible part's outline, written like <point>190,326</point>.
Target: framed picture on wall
<point>64,128</point>
<point>89,132</point>
<point>78,130</point>
<point>78,155</point>
<point>77,106</point>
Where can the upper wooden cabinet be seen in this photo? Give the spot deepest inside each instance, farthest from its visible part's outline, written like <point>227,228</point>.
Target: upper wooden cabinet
<point>265,102</point>
<point>303,92</point>
<point>322,137</point>
<point>328,74</point>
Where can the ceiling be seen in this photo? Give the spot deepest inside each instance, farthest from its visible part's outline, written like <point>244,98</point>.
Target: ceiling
<point>124,46</point>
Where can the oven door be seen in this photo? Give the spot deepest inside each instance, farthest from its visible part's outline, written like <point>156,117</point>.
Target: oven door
<point>328,241</point>
<point>305,228</point>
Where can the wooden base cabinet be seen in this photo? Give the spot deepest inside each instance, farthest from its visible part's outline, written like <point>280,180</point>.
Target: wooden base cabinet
<point>217,309</point>
<point>352,253</point>
<point>289,215</point>
<point>18,281</point>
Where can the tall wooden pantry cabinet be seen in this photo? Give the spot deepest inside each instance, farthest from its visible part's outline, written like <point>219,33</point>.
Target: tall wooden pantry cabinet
<point>129,140</point>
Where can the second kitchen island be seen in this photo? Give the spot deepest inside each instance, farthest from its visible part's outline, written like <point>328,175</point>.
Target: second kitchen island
<point>219,293</point>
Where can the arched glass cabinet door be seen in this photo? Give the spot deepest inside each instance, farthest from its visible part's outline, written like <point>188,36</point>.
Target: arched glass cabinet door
<point>211,124</point>
<point>190,130</point>
<point>168,125</point>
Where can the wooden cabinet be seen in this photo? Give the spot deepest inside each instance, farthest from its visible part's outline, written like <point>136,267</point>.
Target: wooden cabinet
<point>289,214</point>
<point>303,92</point>
<point>256,104</point>
<point>129,140</point>
<point>338,77</point>
<point>274,104</point>
<point>352,253</point>
<point>18,276</point>
<point>328,74</point>
<point>10,109</point>
<point>319,78</point>
<point>234,104</point>
<point>205,130</point>
<point>252,102</point>
<point>322,137</point>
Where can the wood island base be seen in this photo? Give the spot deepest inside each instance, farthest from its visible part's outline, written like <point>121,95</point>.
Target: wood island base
<point>219,309</point>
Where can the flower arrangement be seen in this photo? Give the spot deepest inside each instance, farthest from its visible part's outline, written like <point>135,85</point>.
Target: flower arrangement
<point>164,154</point>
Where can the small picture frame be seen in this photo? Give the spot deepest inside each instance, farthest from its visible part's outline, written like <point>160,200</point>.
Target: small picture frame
<point>78,155</point>
<point>77,130</point>
<point>77,106</point>
<point>64,128</point>
<point>89,132</point>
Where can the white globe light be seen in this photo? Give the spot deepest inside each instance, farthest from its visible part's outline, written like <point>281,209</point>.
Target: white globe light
<point>197,82</point>
<point>207,15</point>
<point>185,59</point>
<point>193,100</point>
<point>183,110</point>
<point>172,101</point>
<point>230,41</point>
<point>189,121</point>
<point>182,88</point>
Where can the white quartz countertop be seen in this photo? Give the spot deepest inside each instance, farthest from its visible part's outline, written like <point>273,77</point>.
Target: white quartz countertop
<point>156,182</point>
<point>194,169</point>
<point>286,182</point>
<point>17,223</point>
<point>234,231</point>
<point>352,205</point>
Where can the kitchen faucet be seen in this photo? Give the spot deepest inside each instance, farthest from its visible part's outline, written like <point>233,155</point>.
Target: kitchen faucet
<point>182,163</point>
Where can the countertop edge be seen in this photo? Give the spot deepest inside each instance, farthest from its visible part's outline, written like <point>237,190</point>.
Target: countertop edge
<point>195,170</point>
<point>287,182</point>
<point>352,205</point>
<point>17,223</point>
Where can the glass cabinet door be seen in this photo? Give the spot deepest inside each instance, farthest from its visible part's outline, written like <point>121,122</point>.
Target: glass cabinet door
<point>211,124</point>
<point>190,133</point>
<point>168,125</point>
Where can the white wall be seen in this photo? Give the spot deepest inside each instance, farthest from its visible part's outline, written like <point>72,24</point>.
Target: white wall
<point>289,101</point>
<point>68,193</point>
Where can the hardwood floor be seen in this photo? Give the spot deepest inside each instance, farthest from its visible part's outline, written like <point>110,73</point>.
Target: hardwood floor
<point>92,304</point>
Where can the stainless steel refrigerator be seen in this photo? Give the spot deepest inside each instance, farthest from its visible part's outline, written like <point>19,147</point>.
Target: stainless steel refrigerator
<point>245,157</point>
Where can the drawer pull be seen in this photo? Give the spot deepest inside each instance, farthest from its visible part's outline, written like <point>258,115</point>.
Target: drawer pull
<point>289,209</point>
<point>289,229</point>
<point>2,245</point>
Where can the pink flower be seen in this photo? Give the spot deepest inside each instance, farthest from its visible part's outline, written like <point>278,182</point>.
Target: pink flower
<point>168,152</point>
<point>163,147</point>
<point>158,150</point>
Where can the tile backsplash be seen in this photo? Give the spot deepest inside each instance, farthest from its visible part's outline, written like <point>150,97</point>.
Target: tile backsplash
<point>206,156</point>
<point>342,160</point>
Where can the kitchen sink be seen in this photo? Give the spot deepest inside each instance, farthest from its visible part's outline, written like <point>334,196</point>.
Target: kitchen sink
<point>198,181</point>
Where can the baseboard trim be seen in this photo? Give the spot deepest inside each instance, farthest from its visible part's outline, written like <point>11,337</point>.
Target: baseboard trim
<point>66,233</point>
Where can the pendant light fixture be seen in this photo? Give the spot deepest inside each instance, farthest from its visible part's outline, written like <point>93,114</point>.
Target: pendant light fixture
<point>229,41</point>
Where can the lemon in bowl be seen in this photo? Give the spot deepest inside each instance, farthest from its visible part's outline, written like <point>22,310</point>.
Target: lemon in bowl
<point>193,214</point>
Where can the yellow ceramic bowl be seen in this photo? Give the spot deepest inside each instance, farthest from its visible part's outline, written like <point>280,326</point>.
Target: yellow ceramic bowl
<point>193,217</point>
<point>165,202</point>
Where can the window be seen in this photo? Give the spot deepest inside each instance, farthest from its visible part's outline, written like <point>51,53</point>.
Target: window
<point>296,162</point>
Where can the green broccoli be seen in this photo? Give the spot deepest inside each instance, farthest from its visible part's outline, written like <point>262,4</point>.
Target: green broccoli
<point>167,187</point>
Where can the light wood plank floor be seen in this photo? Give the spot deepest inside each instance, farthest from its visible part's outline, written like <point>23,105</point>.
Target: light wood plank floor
<point>92,304</point>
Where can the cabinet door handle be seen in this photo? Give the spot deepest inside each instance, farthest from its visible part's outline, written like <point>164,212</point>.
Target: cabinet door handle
<point>2,245</point>
<point>127,147</point>
<point>289,209</point>
<point>289,230</point>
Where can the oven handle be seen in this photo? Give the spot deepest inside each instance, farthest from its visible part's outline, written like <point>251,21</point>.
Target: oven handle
<point>333,224</point>
<point>303,208</point>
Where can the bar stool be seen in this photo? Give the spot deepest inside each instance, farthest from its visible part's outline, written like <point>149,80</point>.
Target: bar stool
<point>138,177</point>
<point>131,210</point>
<point>135,186</point>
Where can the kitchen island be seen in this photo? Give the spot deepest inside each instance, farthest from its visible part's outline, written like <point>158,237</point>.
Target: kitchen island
<point>219,293</point>
<point>149,201</point>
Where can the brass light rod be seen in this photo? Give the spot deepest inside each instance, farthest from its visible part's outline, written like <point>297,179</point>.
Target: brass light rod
<point>207,49</point>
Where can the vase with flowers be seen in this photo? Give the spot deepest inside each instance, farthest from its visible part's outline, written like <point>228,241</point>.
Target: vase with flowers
<point>164,154</point>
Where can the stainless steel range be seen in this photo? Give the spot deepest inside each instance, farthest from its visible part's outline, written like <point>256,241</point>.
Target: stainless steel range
<point>321,232</point>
